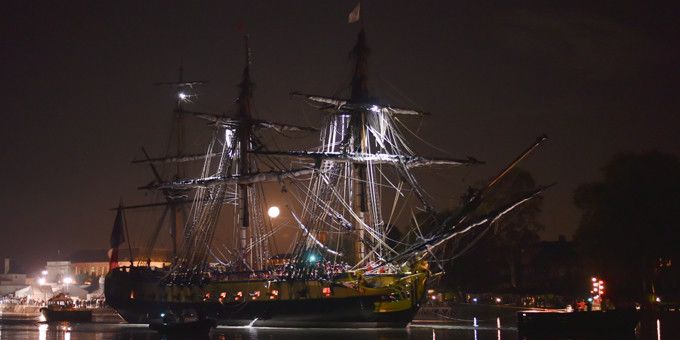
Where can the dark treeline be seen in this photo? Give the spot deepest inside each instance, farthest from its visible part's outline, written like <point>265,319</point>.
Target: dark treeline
<point>629,235</point>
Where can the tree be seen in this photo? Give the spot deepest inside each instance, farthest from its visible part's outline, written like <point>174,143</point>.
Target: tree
<point>503,244</point>
<point>520,227</point>
<point>630,222</point>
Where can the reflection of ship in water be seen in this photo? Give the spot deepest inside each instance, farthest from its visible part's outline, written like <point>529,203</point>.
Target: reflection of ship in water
<point>344,197</point>
<point>62,308</point>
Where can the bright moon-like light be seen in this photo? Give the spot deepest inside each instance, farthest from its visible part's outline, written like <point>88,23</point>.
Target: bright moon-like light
<point>273,212</point>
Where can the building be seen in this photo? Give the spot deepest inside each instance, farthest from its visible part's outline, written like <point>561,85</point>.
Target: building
<point>57,270</point>
<point>95,262</point>
<point>10,280</point>
<point>89,262</point>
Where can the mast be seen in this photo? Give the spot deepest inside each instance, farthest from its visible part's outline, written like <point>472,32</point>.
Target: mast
<point>182,96</point>
<point>357,129</point>
<point>244,115</point>
<point>175,213</point>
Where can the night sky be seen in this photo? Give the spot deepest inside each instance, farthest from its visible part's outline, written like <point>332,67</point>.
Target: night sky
<point>76,86</point>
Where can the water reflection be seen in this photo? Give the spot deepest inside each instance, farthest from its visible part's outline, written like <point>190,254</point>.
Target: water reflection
<point>483,331</point>
<point>42,332</point>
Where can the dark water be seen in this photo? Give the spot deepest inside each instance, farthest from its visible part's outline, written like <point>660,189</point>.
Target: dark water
<point>30,330</point>
<point>99,331</point>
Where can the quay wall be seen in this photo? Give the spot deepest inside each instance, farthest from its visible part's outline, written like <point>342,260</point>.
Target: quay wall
<point>11,311</point>
<point>29,312</point>
<point>464,314</point>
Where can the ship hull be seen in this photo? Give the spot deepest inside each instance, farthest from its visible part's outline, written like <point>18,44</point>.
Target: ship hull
<point>366,311</point>
<point>344,312</point>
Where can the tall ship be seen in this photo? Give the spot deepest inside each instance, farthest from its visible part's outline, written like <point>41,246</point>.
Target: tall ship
<point>344,266</point>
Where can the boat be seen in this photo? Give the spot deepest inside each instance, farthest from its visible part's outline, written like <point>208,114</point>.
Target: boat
<point>344,195</point>
<point>61,308</point>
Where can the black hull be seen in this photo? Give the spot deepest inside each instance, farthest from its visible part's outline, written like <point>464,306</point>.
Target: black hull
<point>350,311</point>
<point>345,312</point>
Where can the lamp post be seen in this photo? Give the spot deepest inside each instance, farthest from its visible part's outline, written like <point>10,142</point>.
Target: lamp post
<point>68,280</point>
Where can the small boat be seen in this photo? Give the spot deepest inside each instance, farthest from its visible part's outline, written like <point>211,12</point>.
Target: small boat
<point>61,308</point>
<point>611,322</point>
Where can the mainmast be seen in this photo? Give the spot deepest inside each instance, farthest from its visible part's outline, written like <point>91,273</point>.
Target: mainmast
<point>357,130</point>
<point>361,135</point>
<point>244,130</point>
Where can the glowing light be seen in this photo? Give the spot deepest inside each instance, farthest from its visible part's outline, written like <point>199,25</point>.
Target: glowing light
<point>42,332</point>
<point>41,281</point>
<point>658,299</point>
<point>498,300</point>
<point>273,212</point>
<point>68,280</point>
<point>498,323</point>
<point>182,96</point>
<point>434,297</point>
<point>658,329</point>
<point>252,323</point>
<point>312,258</point>
<point>375,108</point>
<point>44,272</point>
<point>162,315</point>
<point>474,299</point>
<point>474,322</point>
<point>594,279</point>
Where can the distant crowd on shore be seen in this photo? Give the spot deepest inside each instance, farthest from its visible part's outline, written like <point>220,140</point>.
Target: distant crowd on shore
<point>78,303</point>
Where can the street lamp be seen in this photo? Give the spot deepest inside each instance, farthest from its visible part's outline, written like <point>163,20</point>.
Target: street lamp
<point>68,280</point>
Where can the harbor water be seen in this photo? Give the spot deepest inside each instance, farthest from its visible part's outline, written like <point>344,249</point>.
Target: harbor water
<point>31,330</point>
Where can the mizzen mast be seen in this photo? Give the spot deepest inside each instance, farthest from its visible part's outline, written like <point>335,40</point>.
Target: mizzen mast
<point>183,95</point>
